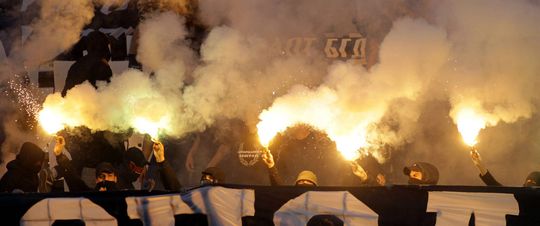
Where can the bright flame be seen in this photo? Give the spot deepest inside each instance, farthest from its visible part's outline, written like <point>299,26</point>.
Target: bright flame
<point>268,129</point>
<point>50,120</point>
<point>469,123</point>
<point>347,125</point>
<point>348,142</point>
<point>152,128</point>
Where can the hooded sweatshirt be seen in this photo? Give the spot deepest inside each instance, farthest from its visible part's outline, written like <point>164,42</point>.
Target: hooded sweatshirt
<point>430,173</point>
<point>23,172</point>
<point>92,67</point>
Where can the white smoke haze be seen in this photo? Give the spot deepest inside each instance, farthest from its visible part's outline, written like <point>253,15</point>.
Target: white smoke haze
<point>240,75</point>
<point>352,99</point>
<point>493,72</point>
<point>134,94</point>
<point>495,56</point>
<point>479,54</point>
<point>57,29</point>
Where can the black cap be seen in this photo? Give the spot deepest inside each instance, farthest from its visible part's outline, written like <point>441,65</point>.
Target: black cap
<point>325,219</point>
<point>430,173</point>
<point>105,167</point>
<point>216,173</point>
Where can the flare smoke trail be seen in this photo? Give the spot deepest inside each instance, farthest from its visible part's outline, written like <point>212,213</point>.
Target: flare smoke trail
<point>352,99</point>
<point>133,94</point>
<point>57,29</point>
<point>436,58</point>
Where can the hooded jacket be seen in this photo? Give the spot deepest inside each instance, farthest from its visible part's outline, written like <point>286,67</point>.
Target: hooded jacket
<point>75,183</point>
<point>430,173</point>
<point>23,172</point>
<point>92,67</point>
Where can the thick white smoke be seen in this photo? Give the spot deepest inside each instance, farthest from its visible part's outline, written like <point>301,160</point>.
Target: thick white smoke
<point>480,54</point>
<point>353,100</point>
<point>133,94</point>
<point>494,57</point>
<point>57,29</point>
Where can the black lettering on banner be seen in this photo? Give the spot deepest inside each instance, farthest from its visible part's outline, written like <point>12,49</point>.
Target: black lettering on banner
<point>455,208</point>
<point>342,204</point>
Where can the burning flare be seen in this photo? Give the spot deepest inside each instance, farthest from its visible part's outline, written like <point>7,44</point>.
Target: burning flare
<point>50,121</point>
<point>152,128</point>
<point>469,123</point>
<point>348,140</point>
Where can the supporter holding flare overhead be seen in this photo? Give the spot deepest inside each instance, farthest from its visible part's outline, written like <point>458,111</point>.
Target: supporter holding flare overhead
<point>109,177</point>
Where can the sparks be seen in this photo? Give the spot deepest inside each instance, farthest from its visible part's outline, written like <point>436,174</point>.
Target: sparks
<point>25,95</point>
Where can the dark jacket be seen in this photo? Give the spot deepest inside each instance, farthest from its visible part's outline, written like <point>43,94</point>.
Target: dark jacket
<point>275,178</point>
<point>75,183</point>
<point>23,172</point>
<point>168,176</point>
<point>430,173</point>
<point>94,66</point>
<point>489,180</point>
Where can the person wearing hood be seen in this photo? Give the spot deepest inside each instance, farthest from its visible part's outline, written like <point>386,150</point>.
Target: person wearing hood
<point>369,171</point>
<point>22,173</point>
<point>422,173</point>
<point>304,178</point>
<point>131,168</point>
<point>94,66</point>
<point>533,179</point>
<point>122,177</point>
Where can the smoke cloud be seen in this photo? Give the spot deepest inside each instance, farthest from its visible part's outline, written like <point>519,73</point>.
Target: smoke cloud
<point>57,29</point>
<point>426,61</point>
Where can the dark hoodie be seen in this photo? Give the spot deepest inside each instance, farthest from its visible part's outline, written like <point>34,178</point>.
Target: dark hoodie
<point>23,172</point>
<point>430,174</point>
<point>94,66</point>
<point>133,158</point>
<point>125,175</point>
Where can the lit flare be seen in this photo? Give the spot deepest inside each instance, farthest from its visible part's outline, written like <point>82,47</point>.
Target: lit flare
<point>469,123</point>
<point>152,128</point>
<point>50,120</point>
<point>347,143</point>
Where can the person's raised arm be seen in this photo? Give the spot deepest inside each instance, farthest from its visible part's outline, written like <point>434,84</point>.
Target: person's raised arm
<point>477,160</point>
<point>273,174</point>
<point>168,176</point>
<point>74,182</point>
<point>485,175</point>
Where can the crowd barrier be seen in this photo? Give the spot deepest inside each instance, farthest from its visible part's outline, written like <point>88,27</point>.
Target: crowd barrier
<point>284,205</point>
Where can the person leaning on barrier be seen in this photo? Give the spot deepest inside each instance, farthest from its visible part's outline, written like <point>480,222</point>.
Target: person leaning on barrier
<point>305,178</point>
<point>533,179</point>
<point>422,173</point>
<point>108,177</point>
<point>22,173</point>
